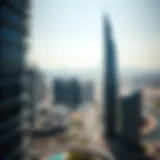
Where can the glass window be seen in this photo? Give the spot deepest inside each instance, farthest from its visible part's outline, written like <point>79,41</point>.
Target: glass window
<point>11,16</point>
<point>18,3</point>
<point>11,34</point>
<point>11,54</point>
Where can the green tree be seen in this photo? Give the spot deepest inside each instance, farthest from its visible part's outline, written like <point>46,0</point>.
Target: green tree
<point>78,155</point>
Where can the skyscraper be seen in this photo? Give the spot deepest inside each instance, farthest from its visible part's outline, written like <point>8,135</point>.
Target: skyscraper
<point>131,113</point>
<point>74,97</point>
<point>13,30</point>
<point>126,143</point>
<point>59,91</point>
<point>37,91</point>
<point>67,92</point>
<point>110,81</point>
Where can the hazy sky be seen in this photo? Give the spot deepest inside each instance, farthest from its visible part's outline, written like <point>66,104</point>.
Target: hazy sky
<point>69,33</point>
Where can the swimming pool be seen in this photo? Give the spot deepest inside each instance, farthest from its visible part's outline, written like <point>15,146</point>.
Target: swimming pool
<point>56,157</point>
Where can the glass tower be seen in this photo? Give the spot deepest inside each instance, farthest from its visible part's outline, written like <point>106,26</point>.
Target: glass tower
<point>13,30</point>
<point>110,82</point>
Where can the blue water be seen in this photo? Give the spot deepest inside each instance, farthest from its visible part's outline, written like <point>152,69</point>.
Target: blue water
<point>56,157</point>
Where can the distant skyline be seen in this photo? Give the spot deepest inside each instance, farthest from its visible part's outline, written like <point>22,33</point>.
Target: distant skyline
<point>68,34</point>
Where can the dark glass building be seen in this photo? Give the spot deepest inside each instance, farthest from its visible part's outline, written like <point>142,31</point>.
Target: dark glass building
<point>110,81</point>
<point>13,30</point>
<point>59,91</point>
<point>67,92</point>
<point>74,95</point>
<point>131,121</point>
<point>37,91</point>
<point>124,141</point>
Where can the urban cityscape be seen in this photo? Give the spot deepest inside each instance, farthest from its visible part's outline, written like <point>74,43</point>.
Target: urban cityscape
<point>52,114</point>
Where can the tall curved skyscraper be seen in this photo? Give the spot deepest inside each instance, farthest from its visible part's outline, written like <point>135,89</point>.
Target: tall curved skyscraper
<point>110,81</point>
<point>125,143</point>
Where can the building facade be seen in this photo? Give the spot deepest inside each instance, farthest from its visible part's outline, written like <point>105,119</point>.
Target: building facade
<point>110,81</point>
<point>132,118</point>
<point>37,92</point>
<point>67,93</point>
<point>13,32</point>
<point>59,91</point>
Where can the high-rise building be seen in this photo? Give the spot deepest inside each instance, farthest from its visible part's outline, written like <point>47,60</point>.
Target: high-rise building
<point>110,81</point>
<point>37,91</point>
<point>37,82</point>
<point>126,143</point>
<point>59,91</point>
<point>13,31</point>
<point>74,96</point>
<point>67,93</point>
<point>131,121</point>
